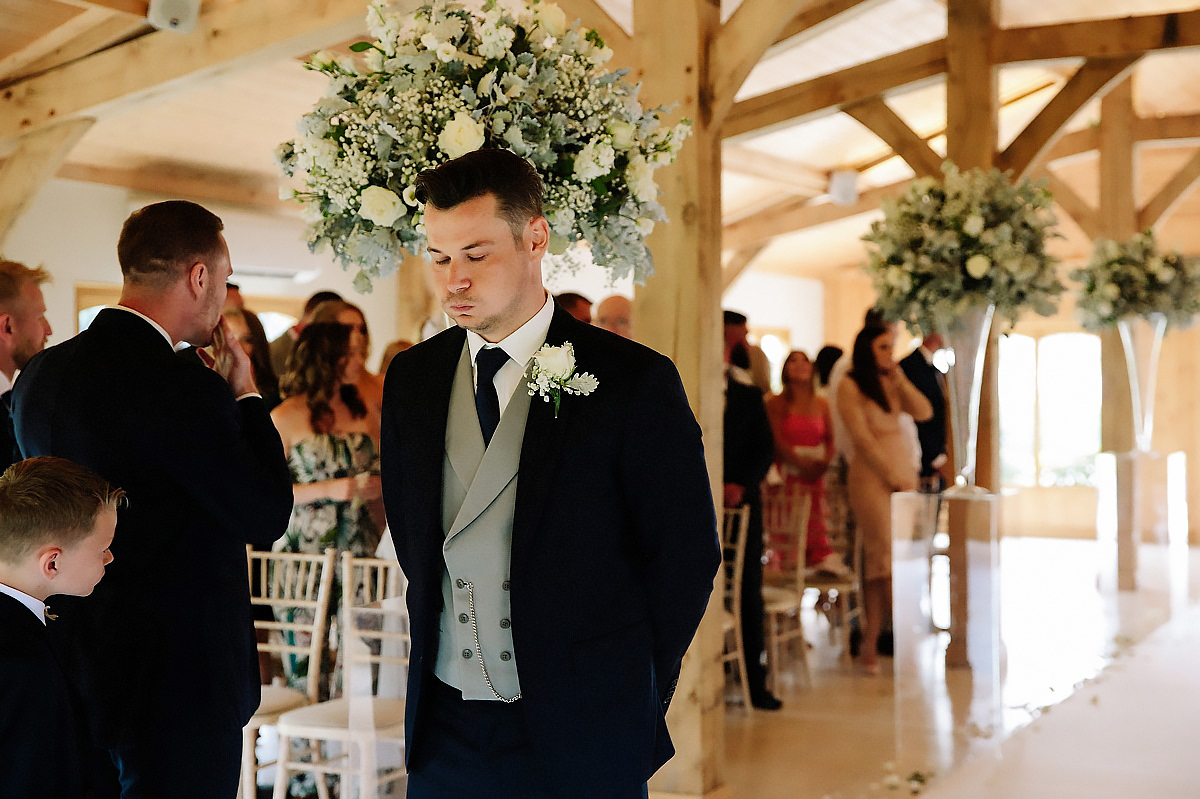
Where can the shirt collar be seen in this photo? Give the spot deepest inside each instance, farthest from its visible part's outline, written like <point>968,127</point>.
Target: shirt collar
<point>523,342</point>
<point>141,315</point>
<point>36,606</point>
<point>5,383</point>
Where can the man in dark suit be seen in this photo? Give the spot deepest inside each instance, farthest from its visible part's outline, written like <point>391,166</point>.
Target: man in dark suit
<point>23,334</point>
<point>749,452</point>
<point>164,650</point>
<point>561,557</point>
<point>919,369</point>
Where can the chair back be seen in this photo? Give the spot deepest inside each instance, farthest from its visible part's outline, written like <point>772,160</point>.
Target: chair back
<point>733,548</point>
<point>297,587</point>
<point>375,636</point>
<point>786,510</point>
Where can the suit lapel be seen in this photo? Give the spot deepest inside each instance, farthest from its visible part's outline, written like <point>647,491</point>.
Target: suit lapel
<point>430,396</point>
<point>542,447</point>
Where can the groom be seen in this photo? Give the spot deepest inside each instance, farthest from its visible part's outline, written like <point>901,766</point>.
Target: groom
<point>560,560</point>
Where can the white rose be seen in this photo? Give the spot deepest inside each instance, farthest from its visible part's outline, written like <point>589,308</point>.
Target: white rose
<point>380,206</point>
<point>551,19</point>
<point>558,361</point>
<point>978,265</point>
<point>622,134</point>
<point>639,175</point>
<point>974,225</point>
<point>461,135</point>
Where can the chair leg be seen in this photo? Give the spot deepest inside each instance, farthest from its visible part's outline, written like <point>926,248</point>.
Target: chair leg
<point>248,786</point>
<point>281,767</point>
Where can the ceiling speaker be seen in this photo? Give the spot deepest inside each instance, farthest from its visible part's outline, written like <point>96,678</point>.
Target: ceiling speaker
<point>174,15</point>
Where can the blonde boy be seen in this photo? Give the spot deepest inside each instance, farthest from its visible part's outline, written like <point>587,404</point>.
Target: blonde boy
<point>57,520</point>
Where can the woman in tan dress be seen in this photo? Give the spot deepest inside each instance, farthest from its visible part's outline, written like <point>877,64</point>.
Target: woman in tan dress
<point>881,462</point>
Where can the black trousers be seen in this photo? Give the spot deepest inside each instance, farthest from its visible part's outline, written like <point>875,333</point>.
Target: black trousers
<point>471,748</point>
<point>753,636</point>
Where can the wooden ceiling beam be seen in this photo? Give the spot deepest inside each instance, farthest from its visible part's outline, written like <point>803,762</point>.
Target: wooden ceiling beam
<point>1169,196</point>
<point>792,216</point>
<point>228,40</point>
<point>591,15</point>
<point>113,29</point>
<point>792,177</point>
<point>1100,38</point>
<point>879,118</point>
<point>136,8</point>
<point>1092,79</point>
<point>1074,206</point>
<point>34,161</point>
<point>61,36</point>
<point>826,94</point>
<point>818,17</point>
<point>738,263</point>
<point>740,44</point>
<point>173,180</point>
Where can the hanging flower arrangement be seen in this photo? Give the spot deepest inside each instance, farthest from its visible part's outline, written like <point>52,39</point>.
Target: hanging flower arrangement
<point>449,79</point>
<point>1132,278</point>
<point>973,238</point>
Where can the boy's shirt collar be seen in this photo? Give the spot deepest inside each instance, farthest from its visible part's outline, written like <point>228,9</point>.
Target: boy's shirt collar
<point>36,606</point>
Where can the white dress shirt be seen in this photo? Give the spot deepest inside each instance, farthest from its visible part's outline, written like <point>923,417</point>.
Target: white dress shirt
<point>36,606</point>
<point>521,345</point>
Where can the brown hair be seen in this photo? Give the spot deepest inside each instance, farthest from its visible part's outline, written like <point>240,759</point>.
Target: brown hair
<point>505,175</point>
<point>48,500</point>
<point>13,276</point>
<point>161,241</point>
<point>329,311</point>
<point>314,371</point>
<point>788,389</point>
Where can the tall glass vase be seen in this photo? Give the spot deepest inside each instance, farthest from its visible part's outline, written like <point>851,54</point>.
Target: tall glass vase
<point>967,338</point>
<point>1142,339</point>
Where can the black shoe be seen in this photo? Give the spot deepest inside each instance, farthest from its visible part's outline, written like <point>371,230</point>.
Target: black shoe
<point>855,642</point>
<point>886,644</point>
<point>765,701</point>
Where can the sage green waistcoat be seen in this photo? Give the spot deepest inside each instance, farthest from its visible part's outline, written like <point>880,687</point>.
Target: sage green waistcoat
<point>479,494</point>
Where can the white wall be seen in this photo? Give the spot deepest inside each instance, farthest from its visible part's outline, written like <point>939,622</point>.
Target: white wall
<point>795,305</point>
<point>71,229</point>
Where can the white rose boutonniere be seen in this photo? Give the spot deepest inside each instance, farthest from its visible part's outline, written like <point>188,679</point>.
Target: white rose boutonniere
<point>552,374</point>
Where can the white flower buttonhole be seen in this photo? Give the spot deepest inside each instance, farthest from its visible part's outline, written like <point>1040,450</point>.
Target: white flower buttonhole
<point>552,374</point>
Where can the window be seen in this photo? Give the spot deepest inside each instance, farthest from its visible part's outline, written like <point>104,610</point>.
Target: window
<point>1050,394</point>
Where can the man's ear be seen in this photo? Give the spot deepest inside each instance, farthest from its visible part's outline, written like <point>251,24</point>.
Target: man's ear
<point>539,235</point>
<point>198,278</point>
<point>6,324</point>
<point>46,557</point>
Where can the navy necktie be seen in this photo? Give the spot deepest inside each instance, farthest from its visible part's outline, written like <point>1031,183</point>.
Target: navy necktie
<point>487,362</point>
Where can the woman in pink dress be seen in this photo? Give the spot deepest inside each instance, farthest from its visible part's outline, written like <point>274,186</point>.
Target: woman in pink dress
<point>803,448</point>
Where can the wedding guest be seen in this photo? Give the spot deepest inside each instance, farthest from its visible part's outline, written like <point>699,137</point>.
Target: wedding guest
<point>370,386</point>
<point>163,651</point>
<point>331,438</point>
<point>390,351</point>
<point>248,330</point>
<point>827,356</point>
<point>56,524</point>
<point>23,334</point>
<point>233,297</point>
<point>615,314</point>
<point>737,331</point>
<point>749,448</point>
<point>803,437</point>
<point>560,554</point>
<point>871,399</point>
<point>576,305</point>
<point>282,347</point>
<point>931,434</point>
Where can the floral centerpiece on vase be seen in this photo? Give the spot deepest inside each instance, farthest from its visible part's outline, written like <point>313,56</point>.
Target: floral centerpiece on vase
<point>973,238</point>
<point>1132,278</point>
<point>951,253</point>
<point>448,79</point>
<point>1130,285</point>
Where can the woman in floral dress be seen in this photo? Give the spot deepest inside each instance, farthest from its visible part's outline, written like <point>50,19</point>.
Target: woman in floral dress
<point>330,436</point>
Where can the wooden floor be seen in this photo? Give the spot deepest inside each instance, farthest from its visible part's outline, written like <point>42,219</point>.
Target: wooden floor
<point>1064,631</point>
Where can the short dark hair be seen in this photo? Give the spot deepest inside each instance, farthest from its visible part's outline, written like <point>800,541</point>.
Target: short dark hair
<point>569,299</point>
<point>161,241</point>
<point>48,500</point>
<point>321,296</point>
<point>735,318</point>
<point>511,179</point>
<point>827,356</point>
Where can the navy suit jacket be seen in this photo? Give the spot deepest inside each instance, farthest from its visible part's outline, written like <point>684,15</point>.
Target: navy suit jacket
<point>165,644</point>
<point>931,432</point>
<point>614,548</point>
<point>41,740</point>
